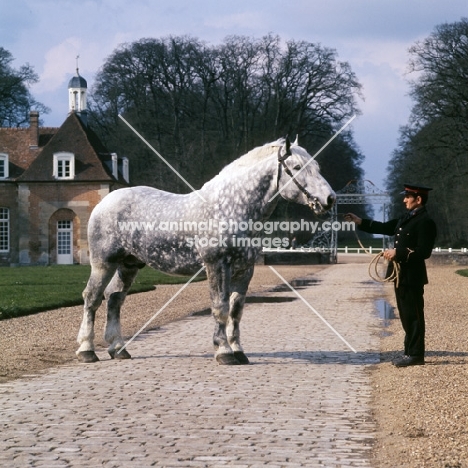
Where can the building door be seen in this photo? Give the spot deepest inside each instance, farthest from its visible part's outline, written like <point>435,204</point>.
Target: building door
<point>65,242</point>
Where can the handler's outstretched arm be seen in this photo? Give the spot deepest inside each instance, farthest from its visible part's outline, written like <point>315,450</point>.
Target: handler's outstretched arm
<point>352,217</point>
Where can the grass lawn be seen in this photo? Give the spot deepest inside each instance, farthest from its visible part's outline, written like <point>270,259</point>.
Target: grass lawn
<point>26,290</point>
<point>463,272</point>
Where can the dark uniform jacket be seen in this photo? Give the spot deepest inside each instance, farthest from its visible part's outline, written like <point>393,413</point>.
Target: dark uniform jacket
<point>415,236</point>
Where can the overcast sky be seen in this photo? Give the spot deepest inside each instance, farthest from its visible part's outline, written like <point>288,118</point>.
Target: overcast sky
<point>372,35</point>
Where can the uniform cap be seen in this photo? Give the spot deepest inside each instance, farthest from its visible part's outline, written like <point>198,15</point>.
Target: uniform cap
<point>415,190</point>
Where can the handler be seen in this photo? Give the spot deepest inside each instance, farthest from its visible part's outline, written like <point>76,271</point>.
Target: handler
<point>415,235</point>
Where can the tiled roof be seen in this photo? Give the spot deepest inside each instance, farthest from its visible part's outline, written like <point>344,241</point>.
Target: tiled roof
<point>15,142</point>
<point>74,137</point>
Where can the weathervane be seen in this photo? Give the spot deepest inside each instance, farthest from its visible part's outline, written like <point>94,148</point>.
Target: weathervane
<point>77,57</point>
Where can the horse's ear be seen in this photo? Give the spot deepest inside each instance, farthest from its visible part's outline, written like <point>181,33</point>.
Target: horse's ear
<point>288,146</point>
<point>296,141</point>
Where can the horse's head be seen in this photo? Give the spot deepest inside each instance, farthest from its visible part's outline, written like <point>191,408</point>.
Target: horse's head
<point>299,179</point>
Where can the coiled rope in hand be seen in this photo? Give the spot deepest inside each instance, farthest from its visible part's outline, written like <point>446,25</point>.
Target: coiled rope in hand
<point>374,272</point>
<point>373,267</point>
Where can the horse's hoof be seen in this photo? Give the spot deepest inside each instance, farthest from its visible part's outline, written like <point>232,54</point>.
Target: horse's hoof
<point>124,354</point>
<point>241,357</point>
<point>227,360</point>
<point>87,356</point>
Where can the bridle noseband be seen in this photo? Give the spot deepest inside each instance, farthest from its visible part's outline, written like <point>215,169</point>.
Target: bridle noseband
<point>311,200</point>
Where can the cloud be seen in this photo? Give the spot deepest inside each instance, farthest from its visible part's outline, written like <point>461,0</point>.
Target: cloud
<point>373,36</point>
<point>383,89</point>
<point>239,22</point>
<point>15,19</point>
<point>378,51</point>
<point>58,63</point>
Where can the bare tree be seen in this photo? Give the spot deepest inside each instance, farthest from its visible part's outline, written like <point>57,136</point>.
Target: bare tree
<point>434,145</point>
<point>15,99</point>
<point>203,106</point>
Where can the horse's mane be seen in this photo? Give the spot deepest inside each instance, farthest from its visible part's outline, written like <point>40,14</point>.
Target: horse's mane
<point>254,156</point>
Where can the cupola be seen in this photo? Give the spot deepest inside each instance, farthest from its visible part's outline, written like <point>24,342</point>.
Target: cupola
<point>77,95</point>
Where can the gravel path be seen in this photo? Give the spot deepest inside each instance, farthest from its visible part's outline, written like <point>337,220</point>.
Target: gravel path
<point>422,411</point>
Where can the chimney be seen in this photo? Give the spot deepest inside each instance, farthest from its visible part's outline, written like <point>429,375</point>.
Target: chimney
<point>83,115</point>
<point>33,129</point>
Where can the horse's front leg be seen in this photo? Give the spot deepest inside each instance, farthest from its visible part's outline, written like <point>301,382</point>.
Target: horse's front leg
<point>85,352</point>
<point>239,285</point>
<point>233,330</point>
<point>219,278</point>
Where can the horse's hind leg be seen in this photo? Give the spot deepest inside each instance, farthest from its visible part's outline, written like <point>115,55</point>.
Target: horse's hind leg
<point>101,274</point>
<point>239,286</point>
<point>115,294</point>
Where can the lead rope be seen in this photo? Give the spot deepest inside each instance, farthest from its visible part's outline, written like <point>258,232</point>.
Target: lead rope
<point>373,267</point>
<point>374,272</point>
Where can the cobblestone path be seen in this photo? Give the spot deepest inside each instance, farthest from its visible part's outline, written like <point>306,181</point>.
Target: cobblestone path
<point>303,402</point>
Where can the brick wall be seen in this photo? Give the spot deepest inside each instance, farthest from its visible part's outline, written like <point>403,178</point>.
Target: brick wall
<point>48,203</point>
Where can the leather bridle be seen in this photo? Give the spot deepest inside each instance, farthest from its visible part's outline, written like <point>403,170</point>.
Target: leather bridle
<point>311,200</point>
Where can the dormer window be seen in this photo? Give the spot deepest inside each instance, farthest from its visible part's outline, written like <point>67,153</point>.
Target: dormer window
<point>4,166</point>
<point>125,171</point>
<point>115,165</point>
<point>64,166</point>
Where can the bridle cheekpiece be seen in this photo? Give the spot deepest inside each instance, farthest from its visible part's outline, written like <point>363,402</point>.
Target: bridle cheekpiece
<point>311,200</point>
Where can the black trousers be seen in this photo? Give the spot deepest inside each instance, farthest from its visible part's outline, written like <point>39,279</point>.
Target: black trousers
<point>410,303</point>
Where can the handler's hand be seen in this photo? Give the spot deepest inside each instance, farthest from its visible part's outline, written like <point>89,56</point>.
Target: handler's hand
<point>352,217</point>
<point>389,254</point>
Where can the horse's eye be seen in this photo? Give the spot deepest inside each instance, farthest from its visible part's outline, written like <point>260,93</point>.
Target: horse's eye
<point>297,167</point>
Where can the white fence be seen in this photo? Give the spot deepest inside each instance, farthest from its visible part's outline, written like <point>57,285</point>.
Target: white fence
<point>357,250</point>
<point>376,250</point>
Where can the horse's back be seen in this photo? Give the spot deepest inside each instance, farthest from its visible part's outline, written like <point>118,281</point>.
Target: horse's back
<point>127,224</point>
<point>129,204</point>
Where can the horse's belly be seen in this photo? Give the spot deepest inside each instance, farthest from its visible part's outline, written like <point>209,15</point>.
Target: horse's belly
<point>171,258</point>
<point>185,268</point>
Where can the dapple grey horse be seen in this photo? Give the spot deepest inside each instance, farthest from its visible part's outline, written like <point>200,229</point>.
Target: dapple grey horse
<point>138,226</point>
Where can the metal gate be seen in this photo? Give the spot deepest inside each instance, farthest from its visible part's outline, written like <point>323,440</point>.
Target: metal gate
<point>356,192</point>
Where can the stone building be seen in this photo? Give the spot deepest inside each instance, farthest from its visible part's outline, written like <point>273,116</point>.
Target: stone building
<point>50,181</point>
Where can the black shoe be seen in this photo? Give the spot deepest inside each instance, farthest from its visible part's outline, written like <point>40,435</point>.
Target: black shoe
<point>407,361</point>
<point>399,358</point>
